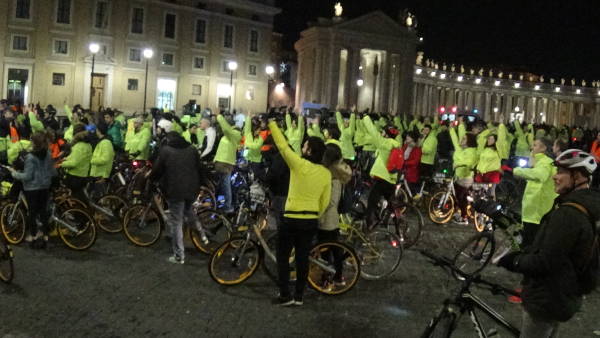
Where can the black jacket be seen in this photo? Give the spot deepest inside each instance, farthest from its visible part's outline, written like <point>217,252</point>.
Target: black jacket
<point>178,169</point>
<point>278,175</point>
<point>550,265</point>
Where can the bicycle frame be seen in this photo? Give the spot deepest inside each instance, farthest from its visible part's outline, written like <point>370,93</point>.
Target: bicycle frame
<point>449,192</point>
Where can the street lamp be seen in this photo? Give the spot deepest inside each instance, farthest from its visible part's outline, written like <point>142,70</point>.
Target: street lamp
<point>94,49</point>
<point>148,53</point>
<point>270,70</point>
<point>232,65</point>
<point>360,82</point>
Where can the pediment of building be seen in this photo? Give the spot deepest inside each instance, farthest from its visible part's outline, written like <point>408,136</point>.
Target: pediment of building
<point>377,23</point>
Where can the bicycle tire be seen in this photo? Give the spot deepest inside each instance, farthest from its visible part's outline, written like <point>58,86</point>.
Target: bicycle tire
<point>480,221</point>
<point>118,207</point>
<point>86,234</point>
<point>64,204</point>
<point>7,270</point>
<point>225,266</point>
<point>13,230</point>
<point>407,223</point>
<point>206,200</point>
<point>322,280</point>
<point>143,232</point>
<point>441,326</point>
<point>444,214</point>
<point>475,253</point>
<point>372,253</point>
<point>217,230</point>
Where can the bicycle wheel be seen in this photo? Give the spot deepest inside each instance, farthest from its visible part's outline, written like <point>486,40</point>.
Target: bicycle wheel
<point>441,326</point>
<point>7,271</point>
<point>66,203</point>
<point>235,261</point>
<point>323,275</point>
<point>441,207</point>
<point>479,220</point>
<point>117,206</point>
<point>13,223</point>
<point>379,255</point>
<point>216,228</point>
<point>406,222</point>
<point>206,200</point>
<point>76,229</point>
<point>474,255</point>
<point>143,225</point>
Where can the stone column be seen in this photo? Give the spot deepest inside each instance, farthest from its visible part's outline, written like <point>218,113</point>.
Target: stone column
<point>384,89</point>
<point>352,73</point>
<point>332,76</point>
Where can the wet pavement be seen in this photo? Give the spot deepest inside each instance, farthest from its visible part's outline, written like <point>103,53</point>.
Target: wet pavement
<point>119,290</point>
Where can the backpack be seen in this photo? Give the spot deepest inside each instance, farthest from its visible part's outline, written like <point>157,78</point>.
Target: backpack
<point>589,275</point>
<point>395,161</point>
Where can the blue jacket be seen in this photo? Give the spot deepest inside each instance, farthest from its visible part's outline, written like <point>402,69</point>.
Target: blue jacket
<point>38,172</point>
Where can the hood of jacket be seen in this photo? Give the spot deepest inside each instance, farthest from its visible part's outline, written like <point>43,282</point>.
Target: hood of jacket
<point>588,198</point>
<point>341,171</point>
<point>176,141</point>
<point>81,136</point>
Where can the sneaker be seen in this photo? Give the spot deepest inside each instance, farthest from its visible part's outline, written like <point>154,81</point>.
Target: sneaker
<point>339,282</point>
<point>175,260</point>
<point>298,301</point>
<point>53,233</point>
<point>29,239</point>
<point>463,221</point>
<point>284,300</point>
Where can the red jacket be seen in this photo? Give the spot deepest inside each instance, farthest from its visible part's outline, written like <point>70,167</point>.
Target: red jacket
<point>410,166</point>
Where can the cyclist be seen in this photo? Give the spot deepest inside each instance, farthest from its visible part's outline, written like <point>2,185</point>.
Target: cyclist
<point>294,131</point>
<point>36,178</point>
<point>552,265</point>
<point>138,140</point>
<point>384,180</point>
<point>539,192</point>
<point>207,140</point>
<point>428,143</point>
<point>464,161</point>
<point>411,161</point>
<point>304,205</point>
<point>77,164</point>
<point>253,144</point>
<point>489,164</point>
<point>225,159</point>
<point>102,158</point>
<point>114,129</point>
<point>347,128</point>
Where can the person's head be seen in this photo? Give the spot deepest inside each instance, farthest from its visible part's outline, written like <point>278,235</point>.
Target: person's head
<point>477,128</point>
<point>332,132</point>
<point>313,150</point>
<point>78,128</point>
<point>426,130</point>
<point>469,141</point>
<point>491,141</point>
<point>411,138</point>
<point>559,146</point>
<point>164,126</point>
<point>109,117</point>
<point>9,115</point>
<point>39,141</point>
<point>389,131</point>
<point>542,146</point>
<point>138,123</point>
<point>333,155</point>
<point>575,167</point>
<point>205,123</point>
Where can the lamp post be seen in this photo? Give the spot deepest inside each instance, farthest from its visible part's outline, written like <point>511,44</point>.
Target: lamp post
<point>270,70</point>
<point>148,53</point>
<point>232,65</point>
<point>94,49</point>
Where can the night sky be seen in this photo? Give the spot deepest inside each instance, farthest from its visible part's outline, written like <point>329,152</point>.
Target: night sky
<point>558,38</point>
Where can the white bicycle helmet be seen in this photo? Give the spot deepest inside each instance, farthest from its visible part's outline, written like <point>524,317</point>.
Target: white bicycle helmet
<point>165,125</point>
<point>575,158</point>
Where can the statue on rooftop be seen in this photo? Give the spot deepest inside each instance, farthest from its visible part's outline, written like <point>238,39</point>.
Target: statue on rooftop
<point>500,75</point>
<point>562,80</point>
<point>583,83</point>
<point>472,71</point>
<point>541,78</point>
<point>444,66</point>
<point>453,68</point>
<point>338,9</point>
<point>419,61</point>
<point>491,73</point>
<point>462,69</point>
<point>427,63</point>
<point>510,76</point>
<point>572,81</point>
<point>552,80</point>
<point>521,77</point>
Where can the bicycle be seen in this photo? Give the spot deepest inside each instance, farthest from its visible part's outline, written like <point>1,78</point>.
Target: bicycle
<point>445,322</point>
<point>7,272</point>
<point>108,210</point>
<point>238,259</point>
<point>402,219</point>
<point>379,251</point>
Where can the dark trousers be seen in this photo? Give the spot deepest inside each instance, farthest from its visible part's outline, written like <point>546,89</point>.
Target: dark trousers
<point>380,189</point>
<point>596,178</point>
<point>461,199</point>
<point>529,232</point>
<point>76,184</point>
<point>37,201</point>
<point>294,233</point>
<point>338,262</point>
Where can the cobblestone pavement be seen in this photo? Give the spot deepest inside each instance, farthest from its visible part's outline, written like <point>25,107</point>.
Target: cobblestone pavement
<point>118,290</point>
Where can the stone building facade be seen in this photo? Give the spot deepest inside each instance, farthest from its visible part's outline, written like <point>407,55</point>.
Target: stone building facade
<point>45,53</point>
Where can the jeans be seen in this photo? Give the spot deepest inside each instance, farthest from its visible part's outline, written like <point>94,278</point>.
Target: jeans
<point>294,233</point>
<point>536,328</point>
<point>225,188</point>
<point>37,200</point>
<point>180,211</point>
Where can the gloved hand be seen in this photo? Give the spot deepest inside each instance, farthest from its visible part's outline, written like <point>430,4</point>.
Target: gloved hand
<point>510,261</point>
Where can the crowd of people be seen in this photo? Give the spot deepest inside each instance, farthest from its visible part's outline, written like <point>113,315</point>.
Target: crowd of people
<point>306,160</point>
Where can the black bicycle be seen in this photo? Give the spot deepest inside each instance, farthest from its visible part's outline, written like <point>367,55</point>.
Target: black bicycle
<point>445,322</point>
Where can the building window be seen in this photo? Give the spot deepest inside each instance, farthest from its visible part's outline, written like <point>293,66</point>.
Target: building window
<point>198,62</point>
<point>167,59</point>
<point>61,47</point>
<point>102,13</point>
<point>58,79</point>
<point>63,12</point>
<point>196,89</point>
<point>132,84</point>
<point>200,31</point>
<point>225,66</point>
<point>254,41</point>
<point>170,21</point>
<point>252,70</point>
<point>250,94</point>
<point>23,9</point>
<point>228,36</point>
<point>20,43</point>
<point>135,55</point>
<point>137,21</point>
